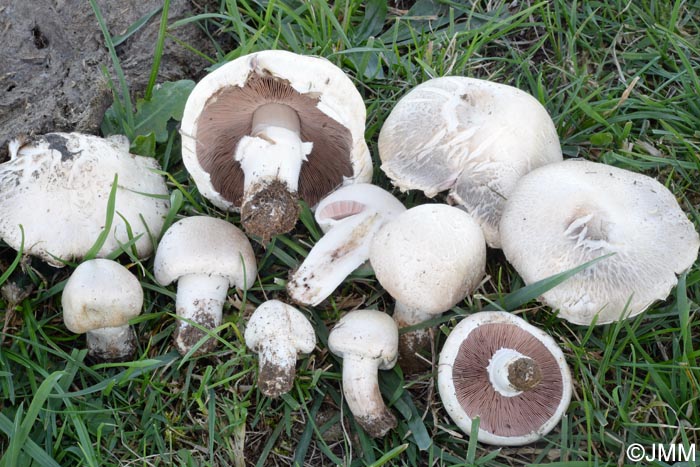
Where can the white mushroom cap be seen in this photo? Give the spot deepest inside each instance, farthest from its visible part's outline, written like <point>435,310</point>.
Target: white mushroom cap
<point>483,358</point>
<point>350,216</point>
<point>278,332</point>
<point>219,115</point>
<point>206,256</point>
<point>472,137</point>
<point>367,340</point>
<point>102,294</point>
<point>57,187</point>
<point>566,214</point>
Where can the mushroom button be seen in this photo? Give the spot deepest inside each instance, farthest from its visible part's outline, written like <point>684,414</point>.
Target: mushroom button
<point>277,332</point>
<point>271,127</point>
<point>566,214</point>
<point>506,372</point>
<point>350,217</point>
<point>205,256</point>
<point>428,258</point>
<point>472,137</point>
<point>57,186</point>
<point>99,299</point>
<point>367,341</point>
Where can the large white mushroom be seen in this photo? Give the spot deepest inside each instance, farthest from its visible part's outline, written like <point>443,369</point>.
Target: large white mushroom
<point>564,215</point>
<point>272,127</point>
<point>57,187</point>
<point>473,137</point>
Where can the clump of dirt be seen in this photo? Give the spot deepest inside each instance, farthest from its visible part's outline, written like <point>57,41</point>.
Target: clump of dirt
<point>273,210</point>
<point>53,53</point>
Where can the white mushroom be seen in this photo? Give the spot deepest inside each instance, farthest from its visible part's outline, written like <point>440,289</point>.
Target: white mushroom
<point>350,216</point>
<point>367,341</point>
<point>271,127</point>
<point>205,256</point>
<point>57,187</point>
<point>563,215</point>
<point>472,137</point>
<point>509,374</point>
<point>99,299</point>
<point>428,258</point>
<point>278,332</point>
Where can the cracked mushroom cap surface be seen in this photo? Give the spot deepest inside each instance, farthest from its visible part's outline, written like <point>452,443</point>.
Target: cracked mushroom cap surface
<point>466,387</point>
<point>366,334</point>
<point>57,187</point>
<point>208,246</point>
<point>220,109</point>
<point>473,137</point>
<point>563,215</point>
<point>99,294</point>
<point>274,319</point>
<point>429,257</point>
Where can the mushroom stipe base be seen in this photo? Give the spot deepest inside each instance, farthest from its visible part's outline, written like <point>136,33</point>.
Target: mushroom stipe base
<point>272,210</point>
<point>186,335</point>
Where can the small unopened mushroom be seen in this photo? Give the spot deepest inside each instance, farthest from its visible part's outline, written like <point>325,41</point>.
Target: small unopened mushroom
<point>271,127</point>
<point>206,256</point>
<point>278,332</point>
<point>564,215</point>
<point>350,216</point>
<point>98,300</point>
<point>367,341</point>
<point>473,137</point>
<point>428,258</point>
<point>506,372</point>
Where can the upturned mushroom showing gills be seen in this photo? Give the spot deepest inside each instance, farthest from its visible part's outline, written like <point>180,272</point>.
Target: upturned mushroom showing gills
<point>278,332</point>
<point>98,300</point>
<point>367,341</point>
<point>564,215</point>
<point>57,186</point>
<point>205,256</point>
<point>472,137</point>
<point>270,128</point>
<point>350,216</point>
<point>509,374</point>
<point>428,258</point>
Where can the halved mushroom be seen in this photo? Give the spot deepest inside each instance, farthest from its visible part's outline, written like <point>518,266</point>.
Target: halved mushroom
<point>563,215</point>
<point>428,258</point>
<point>509,374</point>
<point>350,217</point>
<point>472,137</point>
<point>271,127</point>
<point>57,187</point>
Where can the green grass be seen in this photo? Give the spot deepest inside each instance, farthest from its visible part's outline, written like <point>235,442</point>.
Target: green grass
<point>621,81</point>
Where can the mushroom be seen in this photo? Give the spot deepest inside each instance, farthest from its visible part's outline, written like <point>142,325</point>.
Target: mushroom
<point>57,186</point>
<point>98,300</point>
<point>350,216</point>
<point>472,137</point>
<point>367,341</point>
<point>205,256</point>
<point>428,258</point>
<point>506,372</point>
<point>271,127</point>
<point>277,332</point>
<point>566,214</point>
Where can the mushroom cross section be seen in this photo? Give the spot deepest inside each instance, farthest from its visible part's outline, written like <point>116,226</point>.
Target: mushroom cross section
<point>367,341</point>
<point>278,332</point>
<point>566,214</point>
<point>473,137</point>
<point>57,187</point>
<point>206,256</point>
<point>507,373</point>
<point>98,300</point>
<point>350,217</point>
<point>271,127</point>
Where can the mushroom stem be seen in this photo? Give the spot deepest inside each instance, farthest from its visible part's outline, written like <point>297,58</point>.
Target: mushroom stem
<point>511,373</point>
<point>361,390</point>
<point>200,299</point>
<point>412,342</point>
<point>111,344</point>
<point>277,362</point>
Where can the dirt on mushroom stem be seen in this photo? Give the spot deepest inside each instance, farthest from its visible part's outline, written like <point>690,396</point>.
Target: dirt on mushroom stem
<point>524,374</point>
<point>186,335</point>
<point>272,210</point>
